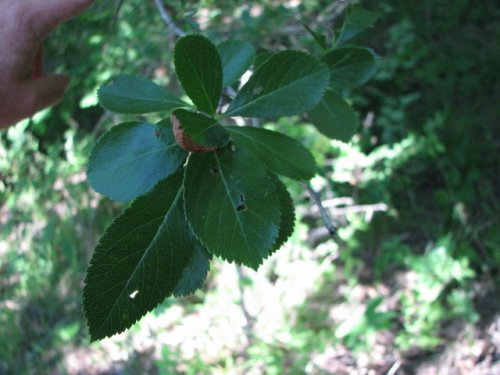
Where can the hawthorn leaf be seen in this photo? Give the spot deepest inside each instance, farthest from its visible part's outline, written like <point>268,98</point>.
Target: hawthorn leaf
<point>287,209</point>
<point>231,205</point>
<point>358,20</point>
<point>236,56</point>
<point>199,69</point>
<point>280,153</point>
<point>202,129</point>
<point>129,159</point>
<point>350,66</point>
<point>320,39</point>
<point>135,95</point>
<point>287,83</point>
<point>139,261</point>
<point>261,57</point>
<point>334,117</point>
<point>194,274</point>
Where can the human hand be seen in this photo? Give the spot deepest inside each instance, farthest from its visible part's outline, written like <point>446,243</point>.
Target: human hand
<point>23,26</point>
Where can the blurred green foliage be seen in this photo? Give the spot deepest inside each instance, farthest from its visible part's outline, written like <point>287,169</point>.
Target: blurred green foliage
<point>428,151</point>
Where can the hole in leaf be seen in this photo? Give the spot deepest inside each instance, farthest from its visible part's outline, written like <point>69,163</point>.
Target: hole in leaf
<point>214,171</point>
<point>242,207</point>
<point>233,147</point>
<point>134,294</point>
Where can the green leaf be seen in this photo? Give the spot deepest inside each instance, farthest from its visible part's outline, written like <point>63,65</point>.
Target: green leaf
<point>139,261</point>
<point>287,209</point>
<point>194,274</point>
<point>280,153</point>
<point>199,69</point>
<point>236,57</point>
<point>288,83</point>
<point>350,66</point>
<point>334,118</point>
<point>358,20</point>
<point>202,129</point>
<point>231,205</point>
<point>319,38</point>
<point>128,160</point>
<point>261,57</point>
<point>134,95</point>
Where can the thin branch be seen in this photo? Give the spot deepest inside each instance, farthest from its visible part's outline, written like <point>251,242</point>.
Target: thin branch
<point>167,19</point>
<point>360,208</point>
<point>249,320</point>
<point>394,368</point>
<point>169,22</point>
<point>332,229</point>
<point>118,6</point>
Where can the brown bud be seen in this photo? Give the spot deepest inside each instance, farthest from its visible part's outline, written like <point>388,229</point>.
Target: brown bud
<point>184,140</point>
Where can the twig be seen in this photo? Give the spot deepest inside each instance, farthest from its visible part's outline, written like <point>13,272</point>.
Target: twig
<point>167,19</point>
<point>169,22</point>
<point>361,208</point>
<point>332,229</point>
<point>474,234</point>
<point>335,202</point>
<point>249,320</point>
<point>118,6</point>
<point>394,368</point>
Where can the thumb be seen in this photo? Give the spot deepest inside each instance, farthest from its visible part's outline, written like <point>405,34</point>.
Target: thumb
<point>50,13</point>
<point>42,92</point>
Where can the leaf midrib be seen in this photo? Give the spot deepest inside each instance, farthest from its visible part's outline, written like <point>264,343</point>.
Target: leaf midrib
<point>140,156</point>
<point>141,98</point>
<point>204,90</point>
<point>240,224</point>
<point>137,267</point>
<point>256,140</point>
<point>281,88</point>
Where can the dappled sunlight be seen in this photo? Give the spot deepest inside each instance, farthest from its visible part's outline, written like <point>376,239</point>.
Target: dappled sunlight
<point>406,284</point>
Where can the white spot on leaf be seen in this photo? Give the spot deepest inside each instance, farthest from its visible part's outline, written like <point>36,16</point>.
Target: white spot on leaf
<point>134,294</point>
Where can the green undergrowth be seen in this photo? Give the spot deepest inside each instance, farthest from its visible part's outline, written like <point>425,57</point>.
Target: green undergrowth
<point>403,277</point>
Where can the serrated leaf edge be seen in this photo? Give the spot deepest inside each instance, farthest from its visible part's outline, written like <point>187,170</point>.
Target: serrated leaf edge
<point>101,139</point>
<point>226,259</point>
<point>180,102</point>
<point>276,247</point>
<point>95,337</point>
<point>234,111</point>
<point>213,110</point>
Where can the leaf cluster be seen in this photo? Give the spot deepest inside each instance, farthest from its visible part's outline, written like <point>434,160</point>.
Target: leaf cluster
<point>200,187</point>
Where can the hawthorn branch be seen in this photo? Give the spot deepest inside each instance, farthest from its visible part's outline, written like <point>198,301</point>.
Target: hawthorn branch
<point>249,320</point>
<point>168,20</point>
<point>332,229</point>
<point>118,6</point>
